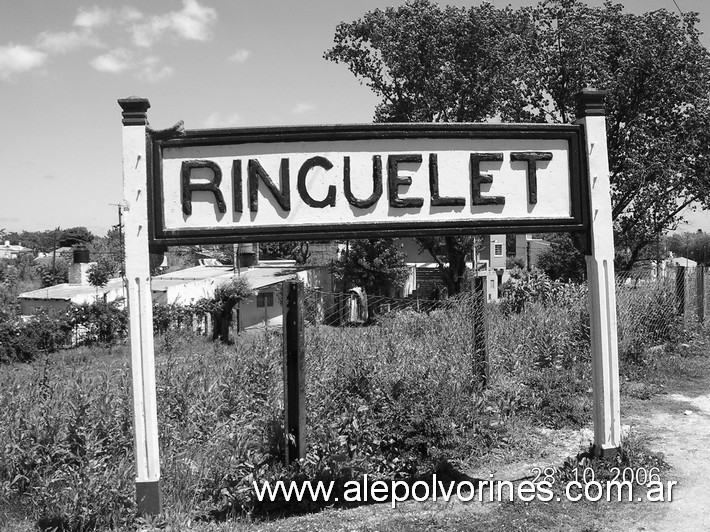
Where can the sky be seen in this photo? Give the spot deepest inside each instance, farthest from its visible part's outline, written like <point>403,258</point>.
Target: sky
<point>211,63</point>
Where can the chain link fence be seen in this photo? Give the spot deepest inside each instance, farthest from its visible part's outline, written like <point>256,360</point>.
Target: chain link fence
<point>650,310</point>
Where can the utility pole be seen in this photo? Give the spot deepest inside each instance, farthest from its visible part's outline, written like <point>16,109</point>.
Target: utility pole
<point>54,255</point>
<point>120,236</point>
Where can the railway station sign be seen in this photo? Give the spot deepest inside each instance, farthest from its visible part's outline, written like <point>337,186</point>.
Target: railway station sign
<point>240,185</point>
<point>378,180</point>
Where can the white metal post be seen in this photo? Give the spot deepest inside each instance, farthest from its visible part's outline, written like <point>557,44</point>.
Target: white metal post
<point>135,210</point>
<point>600,275</point>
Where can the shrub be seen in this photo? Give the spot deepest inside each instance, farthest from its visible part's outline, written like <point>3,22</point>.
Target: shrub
<point>23,341</point>
<point>102,322</point>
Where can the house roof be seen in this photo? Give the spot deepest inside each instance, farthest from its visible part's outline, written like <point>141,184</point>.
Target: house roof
<point>13,247</point>
<point>258,276</point>
<point>681,261</point>
<point>67,291</point>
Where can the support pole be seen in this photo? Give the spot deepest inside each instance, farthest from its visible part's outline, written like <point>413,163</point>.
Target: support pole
<point>294,369</point>
<point>700,290</point>
<point>135,214</point>
<point>680,290</point>
<point>600,275</point>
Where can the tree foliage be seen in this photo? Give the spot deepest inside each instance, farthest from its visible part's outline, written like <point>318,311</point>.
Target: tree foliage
<point>99,273</point>
<point>37,241</point>
<point>450,253</point>
<point>695,246</point>
<point>562,260</point>
<point>378,265</point>
<point>75,236</point>
<point>428,63</point>
<point>226,297</point>
<point>109,251</point>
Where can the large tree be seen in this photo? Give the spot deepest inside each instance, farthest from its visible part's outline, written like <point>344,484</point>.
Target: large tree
<point>75,236</point>
<point>479,63</point>
<point>377,265</point>
<point>695,246</point>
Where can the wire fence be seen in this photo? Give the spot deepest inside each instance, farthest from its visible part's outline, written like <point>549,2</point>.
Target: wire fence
<point>651,310</point>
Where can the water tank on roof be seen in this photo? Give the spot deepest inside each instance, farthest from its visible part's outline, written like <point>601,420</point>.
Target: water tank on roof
<point>81,255</point>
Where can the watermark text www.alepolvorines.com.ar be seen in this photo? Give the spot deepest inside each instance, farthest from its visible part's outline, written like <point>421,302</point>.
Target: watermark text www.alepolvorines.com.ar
<point>396,491</point>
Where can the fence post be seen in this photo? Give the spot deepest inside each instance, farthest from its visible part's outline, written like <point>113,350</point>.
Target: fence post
<point>700,302</point>
<point>680,290</point>
<point>294,370</point>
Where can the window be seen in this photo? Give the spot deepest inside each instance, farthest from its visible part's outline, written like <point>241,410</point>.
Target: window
<point>498,249</point>
<point>265,299</point>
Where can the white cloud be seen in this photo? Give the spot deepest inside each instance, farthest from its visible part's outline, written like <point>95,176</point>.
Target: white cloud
<point>93,17</point>
<point>129,14</point>
<point>65,41</point>
<point>150,70</point>
<point>98,17</point>
<point>114,62</point>
<point>122,60</point>
<point>240,56</point>
<point>18,58</point>
<point>219,120</point>
<point>193,22</point>
<point>303,108</point>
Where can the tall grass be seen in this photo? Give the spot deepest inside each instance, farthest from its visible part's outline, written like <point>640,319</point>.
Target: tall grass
<point>392,400</point>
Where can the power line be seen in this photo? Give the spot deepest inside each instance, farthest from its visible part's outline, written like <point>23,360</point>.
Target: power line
<point>678,8</point>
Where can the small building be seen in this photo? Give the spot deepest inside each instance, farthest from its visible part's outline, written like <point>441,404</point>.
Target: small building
<point>183,287</point>
<point>12,251</point>
<point>76,292</point>
<point>425,279</point>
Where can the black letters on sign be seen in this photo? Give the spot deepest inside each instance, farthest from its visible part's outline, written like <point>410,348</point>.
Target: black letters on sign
<point>329,200</point>
<point>237,184</point>
<point>436,200</point>
<point>478,179</point>
<point>531,157</point>
<point>189,187</point>
<point>394,181</point>
<point>282,194</point>
<point>376,183</point>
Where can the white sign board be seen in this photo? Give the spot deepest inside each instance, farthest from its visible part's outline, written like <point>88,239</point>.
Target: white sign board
<point>235,185</point>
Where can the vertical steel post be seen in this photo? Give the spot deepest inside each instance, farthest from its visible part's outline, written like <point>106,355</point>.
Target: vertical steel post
<point>294,368</point>
<point>680,290</point>
<point>600,275</point>
<point>135,214</point>
<point>700,288</point>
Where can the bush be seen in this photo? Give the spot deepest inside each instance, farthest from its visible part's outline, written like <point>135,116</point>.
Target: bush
<point>24,341</point>
<point>98,322</point>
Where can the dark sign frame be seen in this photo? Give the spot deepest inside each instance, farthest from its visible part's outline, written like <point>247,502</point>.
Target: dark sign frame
<point>578,222</point>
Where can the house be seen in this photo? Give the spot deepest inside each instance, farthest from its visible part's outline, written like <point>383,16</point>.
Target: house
<point>77,291</point>
<point>10,251</point>
<point>425,280</point>
<point>183,287</point>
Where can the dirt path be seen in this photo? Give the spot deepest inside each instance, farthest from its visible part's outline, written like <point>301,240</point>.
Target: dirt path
<point>678,424</point>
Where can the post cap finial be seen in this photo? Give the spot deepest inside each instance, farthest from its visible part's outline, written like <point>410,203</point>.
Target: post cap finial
<point>590,102</point>
<point>134,110</point>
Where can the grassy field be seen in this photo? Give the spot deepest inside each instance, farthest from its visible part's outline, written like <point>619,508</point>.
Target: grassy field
<point>395,400</point>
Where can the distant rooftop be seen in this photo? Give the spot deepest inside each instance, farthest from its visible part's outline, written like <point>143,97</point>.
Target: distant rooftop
<point>66,291</point>
<point>265,274</point>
